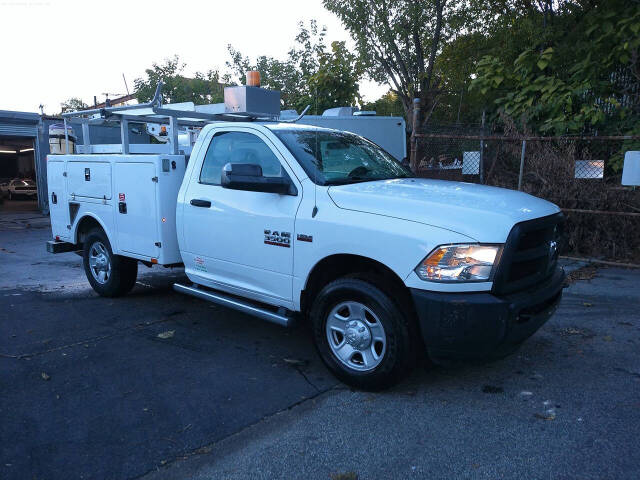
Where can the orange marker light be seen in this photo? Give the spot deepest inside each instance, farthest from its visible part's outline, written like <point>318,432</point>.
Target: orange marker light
<point>154,261</point>
<point>434,258</point>
<point>253,78</point>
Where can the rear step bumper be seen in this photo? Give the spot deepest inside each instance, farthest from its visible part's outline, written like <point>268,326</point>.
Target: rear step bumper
<point>280,317</point>
<point>54,246</point>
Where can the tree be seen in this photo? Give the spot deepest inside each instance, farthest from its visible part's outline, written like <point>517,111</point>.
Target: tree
<point>335,82</point>
<point>399,42</point>
<point>201,89</point>
<point>310,75</point>
<point>73,104</point>
<point>579,74</point>
<point>388,104</point>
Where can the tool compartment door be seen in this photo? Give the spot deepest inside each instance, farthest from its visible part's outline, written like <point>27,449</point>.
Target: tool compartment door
<point>89,179</point>
<point>136,208</point>
<point>58,203</point>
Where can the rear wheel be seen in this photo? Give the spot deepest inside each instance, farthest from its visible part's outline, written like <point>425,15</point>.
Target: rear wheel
<point>361,335</point>
<point>110,275</point>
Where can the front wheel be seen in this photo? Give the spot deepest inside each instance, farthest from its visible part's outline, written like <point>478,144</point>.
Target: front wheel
<point>110,275</point>
<point>361,334</point>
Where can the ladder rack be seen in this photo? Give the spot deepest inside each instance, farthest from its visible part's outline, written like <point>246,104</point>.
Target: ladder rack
<point>125,115</point>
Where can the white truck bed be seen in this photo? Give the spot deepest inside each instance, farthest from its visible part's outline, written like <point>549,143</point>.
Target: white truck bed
<point>133,197</point>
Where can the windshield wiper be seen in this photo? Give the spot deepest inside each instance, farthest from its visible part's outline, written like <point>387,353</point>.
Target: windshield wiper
<point>346,181</point>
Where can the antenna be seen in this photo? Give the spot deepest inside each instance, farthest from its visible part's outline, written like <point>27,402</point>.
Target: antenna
<point>125,84</point>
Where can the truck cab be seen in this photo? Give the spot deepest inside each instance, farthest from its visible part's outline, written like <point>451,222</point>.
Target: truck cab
<point>296,222</point>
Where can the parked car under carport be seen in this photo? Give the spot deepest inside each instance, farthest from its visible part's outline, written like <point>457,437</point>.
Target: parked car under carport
<point>19,188</point>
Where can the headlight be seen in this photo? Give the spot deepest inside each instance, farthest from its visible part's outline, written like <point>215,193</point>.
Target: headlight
<point>459,263</point>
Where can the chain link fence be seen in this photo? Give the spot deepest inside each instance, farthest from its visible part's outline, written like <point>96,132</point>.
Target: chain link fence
<point>579,174</point>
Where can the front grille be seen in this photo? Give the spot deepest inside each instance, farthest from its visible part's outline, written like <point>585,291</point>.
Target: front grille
<point>22,189</point>
<point>529,256</point>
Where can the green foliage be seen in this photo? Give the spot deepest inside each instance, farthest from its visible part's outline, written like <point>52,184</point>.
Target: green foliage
<point>456,63</point>
<point>388,104</point>
<point>390,38</point>
<point>580,75</point>
<point>310,75</point>
<point>201,89</point>
<point>334,83</point>
<point>399,42</point>
<point>73,104</point>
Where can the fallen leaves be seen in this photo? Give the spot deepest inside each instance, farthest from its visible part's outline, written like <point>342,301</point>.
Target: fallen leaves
<point>588,272</point>
<point>344,476</point>
<point>167,334</point>
<point>295,362</point>
<point>582,332</point>
<point>549,413</point>
<point>545,416</point>
<point>45,376</point>
<point>492,389</point>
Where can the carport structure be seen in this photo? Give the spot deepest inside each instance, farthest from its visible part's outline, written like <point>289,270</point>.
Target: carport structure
<point>24,146</point>
<point>20,147</point>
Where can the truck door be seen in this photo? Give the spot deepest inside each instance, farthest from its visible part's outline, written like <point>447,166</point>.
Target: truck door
<point>240,241</point>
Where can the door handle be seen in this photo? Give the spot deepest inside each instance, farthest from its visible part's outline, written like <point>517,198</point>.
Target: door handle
<point>196,202</point>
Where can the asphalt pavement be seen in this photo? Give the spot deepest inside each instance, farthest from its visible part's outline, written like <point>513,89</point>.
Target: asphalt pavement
<point>162,386</point>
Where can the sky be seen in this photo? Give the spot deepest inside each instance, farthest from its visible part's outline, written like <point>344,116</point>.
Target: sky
<point>56,49</point>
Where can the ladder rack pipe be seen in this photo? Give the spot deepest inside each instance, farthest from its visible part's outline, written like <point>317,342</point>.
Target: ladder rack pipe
<point>155,101</point>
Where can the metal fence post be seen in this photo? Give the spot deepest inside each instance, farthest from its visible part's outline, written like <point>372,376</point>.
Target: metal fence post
<point>413,161</point>
<point>524,147</point>
<point>480,169</point>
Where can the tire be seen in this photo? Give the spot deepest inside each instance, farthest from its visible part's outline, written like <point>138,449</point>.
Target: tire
<point>355,354</point>
<point>111,275</point>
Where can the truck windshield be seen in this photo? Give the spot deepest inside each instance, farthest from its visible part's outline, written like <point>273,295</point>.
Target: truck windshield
<point>337,158</point>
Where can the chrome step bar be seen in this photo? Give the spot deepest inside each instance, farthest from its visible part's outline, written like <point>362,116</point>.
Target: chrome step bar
<point>235,303</point>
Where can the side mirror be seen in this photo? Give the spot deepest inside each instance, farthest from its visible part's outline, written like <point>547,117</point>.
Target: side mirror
<point>248,176</point>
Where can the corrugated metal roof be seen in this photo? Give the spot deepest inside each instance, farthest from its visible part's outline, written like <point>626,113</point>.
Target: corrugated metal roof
<point>18,117</point>
<point>18,128</point>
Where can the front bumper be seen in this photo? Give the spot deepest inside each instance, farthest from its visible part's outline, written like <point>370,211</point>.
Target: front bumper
<point>476,325</point>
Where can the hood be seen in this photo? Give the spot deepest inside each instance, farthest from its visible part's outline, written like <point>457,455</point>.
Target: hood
<point>486,214</point>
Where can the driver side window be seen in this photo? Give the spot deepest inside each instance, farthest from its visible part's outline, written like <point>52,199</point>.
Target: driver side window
<point>237,147</point>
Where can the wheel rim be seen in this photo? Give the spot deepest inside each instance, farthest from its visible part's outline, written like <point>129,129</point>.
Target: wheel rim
<point>99,262</point>
<point>356,336</point>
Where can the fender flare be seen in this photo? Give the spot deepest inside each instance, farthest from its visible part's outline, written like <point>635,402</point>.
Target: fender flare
<point>98,220</point>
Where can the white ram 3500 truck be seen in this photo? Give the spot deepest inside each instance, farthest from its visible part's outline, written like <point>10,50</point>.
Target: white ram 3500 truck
<point>284,220</point>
